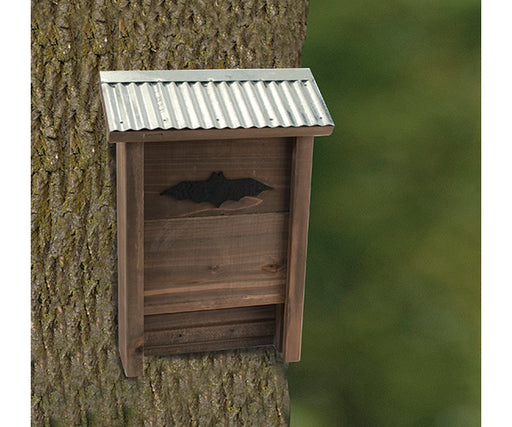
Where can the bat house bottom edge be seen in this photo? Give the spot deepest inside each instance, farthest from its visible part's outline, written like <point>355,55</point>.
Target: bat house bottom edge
<point>209,330</point>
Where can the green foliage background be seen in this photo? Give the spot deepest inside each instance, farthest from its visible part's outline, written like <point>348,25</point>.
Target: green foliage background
<point>392,310</point>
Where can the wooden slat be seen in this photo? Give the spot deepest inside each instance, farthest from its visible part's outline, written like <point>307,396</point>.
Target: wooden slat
<point>130,234</point>
<point>209,333</point>
<point>195,134</point>
<point>209,330</point>
<point>221,297</point>
<point>299,217</point>
<point>167,164</point>
<point>214,262</point>
<point>163,322</point>
<point>210,346</point>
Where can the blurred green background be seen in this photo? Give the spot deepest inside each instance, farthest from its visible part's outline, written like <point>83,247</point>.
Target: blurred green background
<point>392,310</point>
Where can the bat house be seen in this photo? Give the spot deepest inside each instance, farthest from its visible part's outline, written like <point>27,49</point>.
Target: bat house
<point>213,189</point>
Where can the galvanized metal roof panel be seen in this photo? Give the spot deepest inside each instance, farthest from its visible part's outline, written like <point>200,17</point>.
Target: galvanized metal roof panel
<point>208,99</point>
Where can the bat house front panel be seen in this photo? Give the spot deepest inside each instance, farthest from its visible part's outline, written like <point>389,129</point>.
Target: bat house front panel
<point>167,165</point>
<point>216,224</point>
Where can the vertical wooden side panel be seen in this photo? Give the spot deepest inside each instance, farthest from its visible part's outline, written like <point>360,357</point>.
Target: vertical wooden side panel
<point>297,247</point>
<point>130,240</point>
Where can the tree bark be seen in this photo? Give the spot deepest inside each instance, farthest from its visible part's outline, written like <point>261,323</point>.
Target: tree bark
<point>77,378</point>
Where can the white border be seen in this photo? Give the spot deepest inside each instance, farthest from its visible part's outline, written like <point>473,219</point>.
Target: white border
<point>496,214</point>
<point>15,215</point>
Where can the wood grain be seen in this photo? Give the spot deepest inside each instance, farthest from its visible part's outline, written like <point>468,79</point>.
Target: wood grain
<point>196,134</point>
<point>214,262</point>
<point>167,164</point>
<point>297,249</point>
<point>224,296</point>
<point>164,322</point>
<point>130,234</point>
<point>209,330</point>
<point>209,346</point>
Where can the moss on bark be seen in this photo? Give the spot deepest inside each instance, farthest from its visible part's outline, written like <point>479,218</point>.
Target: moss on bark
<point>77,377</point>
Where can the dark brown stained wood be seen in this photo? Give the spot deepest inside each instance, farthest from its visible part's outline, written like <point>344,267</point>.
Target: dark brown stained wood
<point>130,234</point>
<point>209,330</point>
<point>167,164</point>
<point>209,346</point>
<point>214,262</point>
<point>196,134</point>
<point>163,322</point>
<point>299,218</point>
<point>223,296</point>
<point>200,334</point>
<point>190,334</point>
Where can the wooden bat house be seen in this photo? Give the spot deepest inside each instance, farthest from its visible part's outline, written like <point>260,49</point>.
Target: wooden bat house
<point>213,189</point>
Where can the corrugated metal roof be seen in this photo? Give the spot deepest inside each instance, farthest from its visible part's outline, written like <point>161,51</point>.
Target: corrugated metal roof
<point>207,99</point>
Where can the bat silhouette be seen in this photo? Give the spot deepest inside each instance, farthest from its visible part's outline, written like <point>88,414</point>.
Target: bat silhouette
<point>216,190</point>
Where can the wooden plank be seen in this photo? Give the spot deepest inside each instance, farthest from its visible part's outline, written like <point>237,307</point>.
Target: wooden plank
<point>215,262</point>
<point>164,322</point>
<point>130,234</point>
<point>195,134</point>
<point>297,249</point>
<point>209,346</point>
<point>222,297</point>
<point>201,334</point>
<point>168,164</point>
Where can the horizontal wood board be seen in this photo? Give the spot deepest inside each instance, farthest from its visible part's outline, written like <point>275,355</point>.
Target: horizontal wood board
<point>208,263</point>
<point>167,164</point>
<point>197,134</point>
<point>208,346</point>
<point>209,330</point>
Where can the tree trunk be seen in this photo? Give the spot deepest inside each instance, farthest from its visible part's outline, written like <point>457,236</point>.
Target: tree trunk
<point>77,378</point>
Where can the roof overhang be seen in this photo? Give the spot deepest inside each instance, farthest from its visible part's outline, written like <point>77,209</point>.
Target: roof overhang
<point>203,134</point>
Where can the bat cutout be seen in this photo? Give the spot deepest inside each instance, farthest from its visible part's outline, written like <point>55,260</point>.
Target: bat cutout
<point>216,190</point>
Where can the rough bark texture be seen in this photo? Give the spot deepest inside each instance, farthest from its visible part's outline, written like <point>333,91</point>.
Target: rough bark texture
<point>77,377</point>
